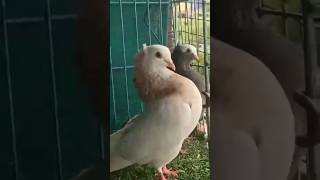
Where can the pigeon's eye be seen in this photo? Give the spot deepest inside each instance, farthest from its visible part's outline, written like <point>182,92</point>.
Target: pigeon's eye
<point>188,51</point>
<point>158,55</point>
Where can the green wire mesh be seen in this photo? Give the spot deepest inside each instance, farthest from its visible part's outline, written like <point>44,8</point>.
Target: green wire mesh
<point>150,21</point>
<point>132,23</point>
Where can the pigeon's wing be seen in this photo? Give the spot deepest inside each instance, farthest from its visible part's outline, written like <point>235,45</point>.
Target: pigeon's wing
<point>128,124</point>
<point>199,81</point>
<point>154,132</point>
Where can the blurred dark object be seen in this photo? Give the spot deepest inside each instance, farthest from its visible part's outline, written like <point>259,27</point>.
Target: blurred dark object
<point>47,128</point>
<point>93,52</point>
<point>237,23</point>
<point>240,24</point>
<point>310,99</point>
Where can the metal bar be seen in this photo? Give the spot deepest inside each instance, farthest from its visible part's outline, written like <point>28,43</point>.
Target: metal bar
<point>191,20</point>
<point>136,23</point>
<point>205,57</point>
<point>176,35</point>
<point>10,93</point>
<point>185,20</point>
<point>191,33</point>
<point>40,19</point>
<point>64,17</point>
<point>138,3</point>
<point>173,24</point>
<point>200,65</point>
<point>122,67</point>
<point>179,1</point>
<point>180,24</point>
<point>112,89</point>
<point>125,60</point>
<point>198,30</point>
<point>172,28</point>
<point>161,26</point>
<point>176,38</point>
<point>54,88</point>
<point>260,4</point>
<point>309,54</point>
<point>198,18</point>
<point>149,27</point>
<point>137,35</point>
<point>262,11</point>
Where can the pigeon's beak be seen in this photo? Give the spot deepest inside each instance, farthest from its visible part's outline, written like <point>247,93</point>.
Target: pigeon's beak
<point>195,57</point>
<point>170,65</point>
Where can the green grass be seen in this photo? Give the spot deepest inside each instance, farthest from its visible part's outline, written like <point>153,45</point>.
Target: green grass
<point>193,166</point>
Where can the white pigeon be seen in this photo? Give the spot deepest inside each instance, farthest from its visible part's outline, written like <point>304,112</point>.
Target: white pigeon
<point>173,106</point>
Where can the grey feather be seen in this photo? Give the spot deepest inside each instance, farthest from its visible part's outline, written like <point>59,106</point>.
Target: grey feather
<point>183,61</point>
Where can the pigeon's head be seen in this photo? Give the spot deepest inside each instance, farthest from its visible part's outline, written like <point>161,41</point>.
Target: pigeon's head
<point>158,56</point>
<point>186,53</point>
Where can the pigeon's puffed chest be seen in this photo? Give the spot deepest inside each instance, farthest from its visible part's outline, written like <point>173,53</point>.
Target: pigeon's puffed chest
<point>158,133</point>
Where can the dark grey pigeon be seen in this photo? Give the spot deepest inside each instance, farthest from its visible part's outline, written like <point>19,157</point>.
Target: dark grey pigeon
<point>182,57</point>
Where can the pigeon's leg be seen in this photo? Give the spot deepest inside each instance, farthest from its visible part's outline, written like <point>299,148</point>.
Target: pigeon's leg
<point>160,175</point>
<point>169,173</point>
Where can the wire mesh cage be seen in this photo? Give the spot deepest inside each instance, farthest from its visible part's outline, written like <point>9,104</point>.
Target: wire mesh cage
<point>153,22</point>
<point>43,110</point>
<point>132,23</point>
<point>190,24</point>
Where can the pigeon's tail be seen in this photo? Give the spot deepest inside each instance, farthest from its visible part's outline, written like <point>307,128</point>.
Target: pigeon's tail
<point>116,161</point>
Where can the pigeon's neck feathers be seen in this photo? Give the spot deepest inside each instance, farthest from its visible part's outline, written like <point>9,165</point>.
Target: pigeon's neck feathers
<point>152,82</point>
<point>183,67</point>
<point>152,86</point>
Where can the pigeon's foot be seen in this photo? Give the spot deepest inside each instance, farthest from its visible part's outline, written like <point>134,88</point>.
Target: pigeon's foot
<point>160,176</point>
<point>169,173</point>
